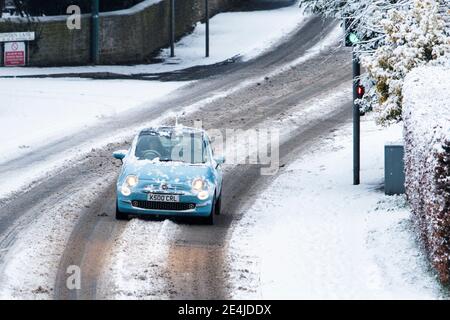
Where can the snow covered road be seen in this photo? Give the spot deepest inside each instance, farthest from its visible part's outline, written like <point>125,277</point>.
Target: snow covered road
<point>77,200</point>
<point>188,260</point>
<point>65,218</point>
<point>47,121</point>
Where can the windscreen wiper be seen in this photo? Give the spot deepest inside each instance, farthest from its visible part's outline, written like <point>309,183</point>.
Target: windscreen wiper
<point>170,160</point>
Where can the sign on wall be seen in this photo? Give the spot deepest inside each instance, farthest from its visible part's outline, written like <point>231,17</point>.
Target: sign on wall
<point>17,36</point>
<point>14,54</point>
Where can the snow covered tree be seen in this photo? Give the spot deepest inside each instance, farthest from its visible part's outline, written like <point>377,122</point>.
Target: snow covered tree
<point>397,36</point>
<point>413,38</point>
<point>365,14</point>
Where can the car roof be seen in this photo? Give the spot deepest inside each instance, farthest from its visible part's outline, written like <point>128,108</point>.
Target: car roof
<point>170,130</point>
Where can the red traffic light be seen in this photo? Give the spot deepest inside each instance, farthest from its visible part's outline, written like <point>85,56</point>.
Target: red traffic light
<point>360,90</point>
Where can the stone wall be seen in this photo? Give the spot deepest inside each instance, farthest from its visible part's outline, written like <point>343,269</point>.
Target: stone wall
<point>126,36</point>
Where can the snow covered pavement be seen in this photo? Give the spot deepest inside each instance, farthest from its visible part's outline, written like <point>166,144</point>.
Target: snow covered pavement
<point>312,234</point>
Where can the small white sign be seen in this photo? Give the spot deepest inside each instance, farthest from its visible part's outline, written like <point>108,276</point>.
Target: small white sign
<point>17,36</point>
<point>15,54</point>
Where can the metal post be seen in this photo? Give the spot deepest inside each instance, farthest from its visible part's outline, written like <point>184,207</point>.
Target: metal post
<point>356,121</point>
<point>27,61</point>
<point>95,27</point>
<point>172,28</point>
<point>207,27</point>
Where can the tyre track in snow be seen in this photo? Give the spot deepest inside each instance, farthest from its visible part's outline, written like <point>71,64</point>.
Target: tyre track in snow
<point>195,266</point>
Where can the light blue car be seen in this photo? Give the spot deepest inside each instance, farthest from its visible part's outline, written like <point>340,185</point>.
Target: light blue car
<point>169,171</point>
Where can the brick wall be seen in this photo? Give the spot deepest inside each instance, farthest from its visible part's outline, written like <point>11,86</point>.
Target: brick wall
<point>126,36</point>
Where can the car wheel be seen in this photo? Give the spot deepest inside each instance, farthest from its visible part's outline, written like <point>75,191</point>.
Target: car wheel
<point>218,208</point>
<point>209,220</point>
<point>121,215</point>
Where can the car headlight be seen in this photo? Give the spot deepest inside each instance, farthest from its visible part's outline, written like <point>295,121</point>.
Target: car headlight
<point>129,183</point>
<point>126,191</point>
<point>132,180</point>
<point>203,195</point>
<point>198,184</point>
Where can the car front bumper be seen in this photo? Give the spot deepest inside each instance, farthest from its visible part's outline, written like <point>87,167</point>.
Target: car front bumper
<point>127,204</point>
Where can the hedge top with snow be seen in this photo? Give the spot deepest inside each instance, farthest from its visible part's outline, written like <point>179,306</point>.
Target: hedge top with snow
<point>427,103</point>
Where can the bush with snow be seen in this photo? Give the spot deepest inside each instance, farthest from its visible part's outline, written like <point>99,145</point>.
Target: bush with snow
<point>397,36</point>
<point>426,116</point>
<point>414,37</point>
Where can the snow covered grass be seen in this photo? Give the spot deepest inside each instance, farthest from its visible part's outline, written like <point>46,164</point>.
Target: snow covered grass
<point>427,146</point>
<point>232,34</point>
<point>312,234</point>
<point>138,262</point>
<point>35,112</point>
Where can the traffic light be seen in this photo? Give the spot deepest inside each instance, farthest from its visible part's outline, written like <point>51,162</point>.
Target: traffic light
<point>351,36</point>
<point>360,90</point>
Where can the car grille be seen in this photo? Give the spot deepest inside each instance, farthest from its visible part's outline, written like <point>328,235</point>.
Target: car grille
<point>154,205</point>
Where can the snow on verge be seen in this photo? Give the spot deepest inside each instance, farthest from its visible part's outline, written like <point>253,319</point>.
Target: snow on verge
<point>426,114</point>
<point>312,234</point>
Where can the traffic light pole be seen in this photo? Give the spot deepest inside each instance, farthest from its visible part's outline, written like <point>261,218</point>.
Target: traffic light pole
<point>207,28</point>
<point>172,28</point>
<point>95,27</point>
<point>356,120</point>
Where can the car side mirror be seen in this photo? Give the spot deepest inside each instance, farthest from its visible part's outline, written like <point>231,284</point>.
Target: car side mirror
<point>120,154</point>
<point>219,160</point>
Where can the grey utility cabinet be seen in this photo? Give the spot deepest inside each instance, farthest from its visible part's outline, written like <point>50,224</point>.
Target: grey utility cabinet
<point>394,169</point>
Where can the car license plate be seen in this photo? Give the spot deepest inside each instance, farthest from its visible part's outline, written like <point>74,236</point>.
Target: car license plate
<point>163,197</point>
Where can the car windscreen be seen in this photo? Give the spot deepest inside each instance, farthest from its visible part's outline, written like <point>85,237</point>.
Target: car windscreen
<point>170,146</point>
